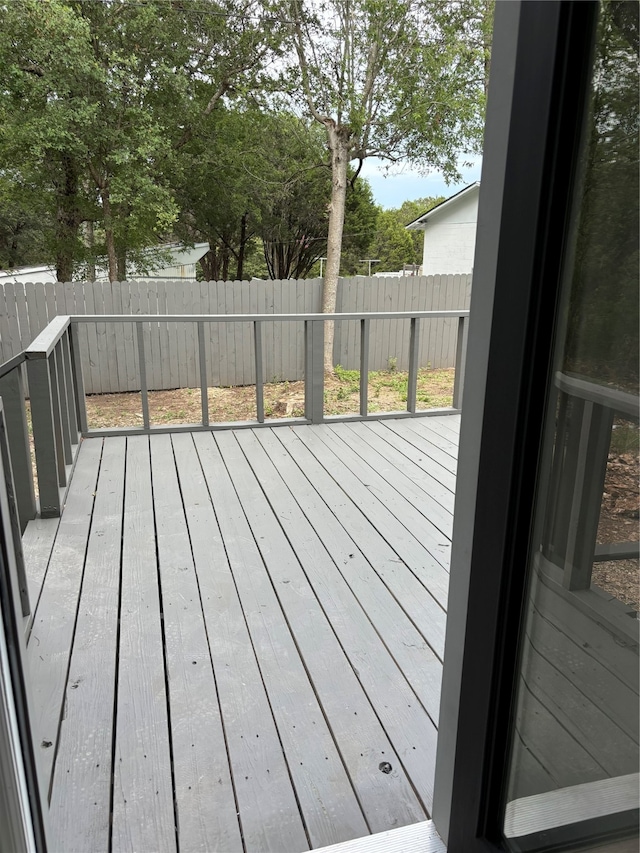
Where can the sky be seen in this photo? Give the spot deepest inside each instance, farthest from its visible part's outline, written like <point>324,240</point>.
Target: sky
<point>405,184</point>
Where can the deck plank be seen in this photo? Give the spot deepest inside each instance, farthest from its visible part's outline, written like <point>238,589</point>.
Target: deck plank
<point>49,645</point>
<point>205,804</point>
<point>427,430</point>
<point>427,492</point>
<point>290,694</point>
<point>143,811</point>
<point>418,448</point>
<point>260,774</point>
<point>356,470</point>
<point>408,547</point>
<point>37,544</point>
<point>79,813</point>
<point>419,582</point>
<point>408,642</point>
<point>317,603</point>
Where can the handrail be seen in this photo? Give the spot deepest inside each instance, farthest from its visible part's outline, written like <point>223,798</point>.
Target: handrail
<point>11,363</point>
<point>44,344</point>
<point>252,318</point>
<point>610,398</point>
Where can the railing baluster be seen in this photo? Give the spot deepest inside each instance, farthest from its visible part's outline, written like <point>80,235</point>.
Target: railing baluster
<point>461,357</point>
<point>44,436</point>
<point>364,367</point>
<point>414,351</point>
<point>61,379</point>
<point>78,379</point>
<point>144,394</point>
<point>257,341</point>
<point>12,394</point>
<point>57,422</point>
<point>204,384</point>
<point>71,397</point>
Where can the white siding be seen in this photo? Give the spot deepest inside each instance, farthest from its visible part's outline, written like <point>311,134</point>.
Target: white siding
<point>450,237</point>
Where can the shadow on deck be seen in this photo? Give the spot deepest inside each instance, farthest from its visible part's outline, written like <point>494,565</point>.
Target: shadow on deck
<point>238,637</point>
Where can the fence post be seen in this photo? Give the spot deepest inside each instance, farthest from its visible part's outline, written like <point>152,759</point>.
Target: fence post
<point>12,394</point>
<point>314,371</point>
<point>461,358</point>
<point>44,436</point>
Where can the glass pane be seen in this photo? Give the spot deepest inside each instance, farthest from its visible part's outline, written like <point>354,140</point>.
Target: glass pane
<point>574,759</point>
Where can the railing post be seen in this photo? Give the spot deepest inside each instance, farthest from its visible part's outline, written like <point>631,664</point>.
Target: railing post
<point>78,379</point>
<point>44,436</point>
<point>414,351</point>
<point>364,367</point>
<point>314,371</point>
<point>12,395</point>
<point>461,358</point>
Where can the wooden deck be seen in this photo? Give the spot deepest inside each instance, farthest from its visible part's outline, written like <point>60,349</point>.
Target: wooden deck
<point>238,638</point>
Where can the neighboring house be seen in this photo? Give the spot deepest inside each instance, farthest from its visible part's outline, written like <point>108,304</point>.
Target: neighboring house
<point>39,275</point>
<point>183,258</point>
<point>450,233</point>
<point>183,264</point>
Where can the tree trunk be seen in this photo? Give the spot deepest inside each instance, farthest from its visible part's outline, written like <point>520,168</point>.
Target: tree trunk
<point>108,235</point>
<point>91,265</point>
<point>122,265</point>
<point>339,147</point>
<point>243,241</point>
<point>68,220</point>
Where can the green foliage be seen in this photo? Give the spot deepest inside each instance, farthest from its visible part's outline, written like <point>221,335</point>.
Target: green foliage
<point>603,311</point>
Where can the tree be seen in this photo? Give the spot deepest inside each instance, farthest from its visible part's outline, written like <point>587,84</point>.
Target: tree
<point>392,244</point>
<point>399,80</point>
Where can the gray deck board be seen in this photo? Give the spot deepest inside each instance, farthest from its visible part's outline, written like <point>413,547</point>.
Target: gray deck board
<point>341,446</point>
<point>293,566</point>
<point>359,735</point>
<point>205,805</point>
<point>407,642</point>
<point>306,739</point>
<point>37,544</point>
<point>80,813</point>
<point>432,459</point>
<point>257,764</point>
<point>420,583</point>
<point>143,811</point>
<point>404,474</point>
<point>51,637</point>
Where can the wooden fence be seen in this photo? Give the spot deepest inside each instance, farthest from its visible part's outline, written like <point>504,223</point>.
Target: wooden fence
<point>109,351</point>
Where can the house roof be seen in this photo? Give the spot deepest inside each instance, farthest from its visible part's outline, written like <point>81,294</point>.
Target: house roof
<point>419,223</point>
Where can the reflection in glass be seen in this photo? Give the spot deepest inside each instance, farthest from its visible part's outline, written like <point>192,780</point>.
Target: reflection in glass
<point>574,759</point>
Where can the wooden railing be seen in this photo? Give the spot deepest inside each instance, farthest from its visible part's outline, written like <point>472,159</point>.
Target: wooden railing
<point>585,420</point>
<point>57,395</point>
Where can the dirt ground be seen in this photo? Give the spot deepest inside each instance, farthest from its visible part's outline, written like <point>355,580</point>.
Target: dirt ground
<point>387,393</point>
